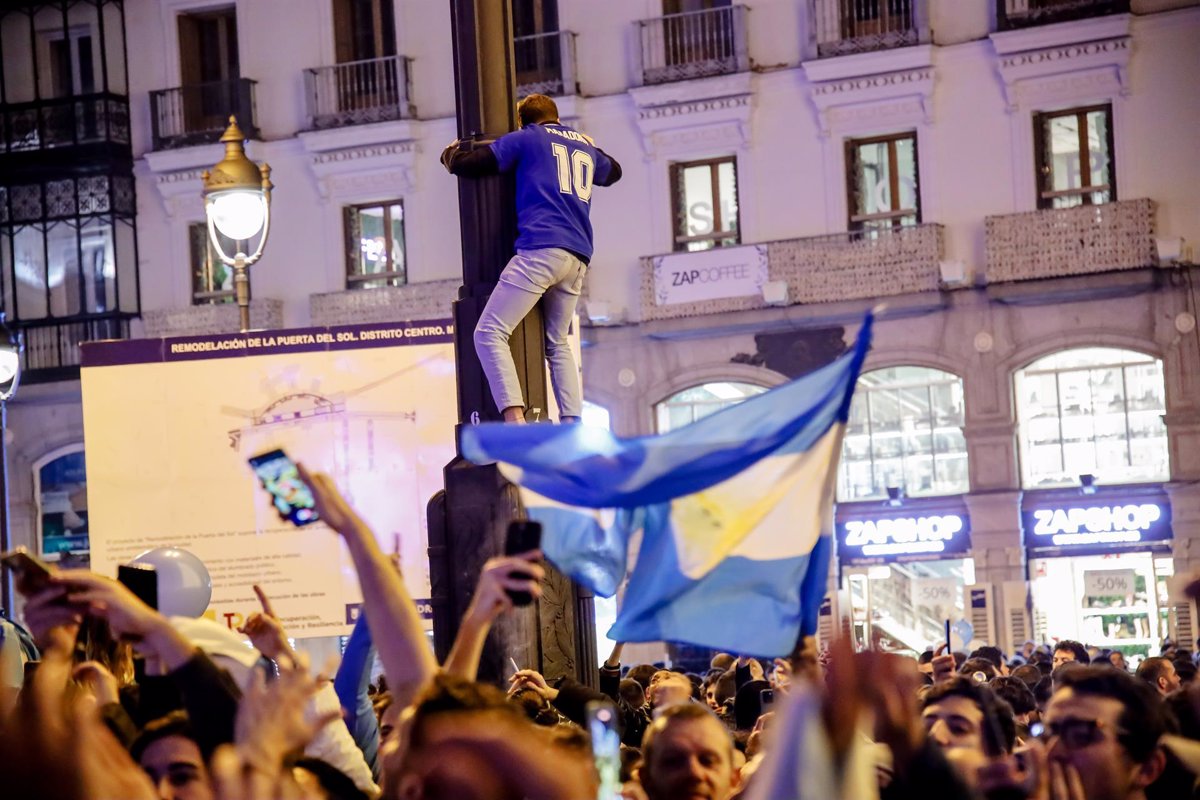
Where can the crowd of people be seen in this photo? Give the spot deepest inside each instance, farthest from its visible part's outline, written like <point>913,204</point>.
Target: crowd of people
<point>121,702</point>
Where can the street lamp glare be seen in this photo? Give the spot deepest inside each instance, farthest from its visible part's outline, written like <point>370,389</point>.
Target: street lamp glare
<point>238,213</point>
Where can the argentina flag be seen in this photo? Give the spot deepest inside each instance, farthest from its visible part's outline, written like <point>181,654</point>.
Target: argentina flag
<point>735,511</point>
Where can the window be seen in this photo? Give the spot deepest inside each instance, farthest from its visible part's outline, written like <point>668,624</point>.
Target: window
<point>61,486</point>
<point>363,29</point>
<point>704,203</point>
<point>375,245</point>
<point>905,431</point>
<point>691,404</point>
<point>212,280</point>
<point>882,182</point>
<point>1092,411</point>
<point>1074,157</point>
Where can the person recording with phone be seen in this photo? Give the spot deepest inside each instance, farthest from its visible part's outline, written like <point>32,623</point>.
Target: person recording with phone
<point>556,169</point>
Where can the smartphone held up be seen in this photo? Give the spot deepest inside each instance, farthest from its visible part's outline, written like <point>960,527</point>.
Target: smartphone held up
<point>290,495</point>
<point>523,536</point>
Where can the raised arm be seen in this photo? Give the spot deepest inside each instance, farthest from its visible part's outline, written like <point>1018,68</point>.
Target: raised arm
<point>516,573</point>
<point>391,614</point>
<point>468,159</point>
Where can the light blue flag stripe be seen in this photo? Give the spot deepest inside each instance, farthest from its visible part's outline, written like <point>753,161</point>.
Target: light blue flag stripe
<point>580,465</point>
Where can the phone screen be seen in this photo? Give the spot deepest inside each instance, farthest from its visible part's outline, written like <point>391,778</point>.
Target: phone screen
<point>606,747</point>
<point>142,581</point>
<point>291,496</point>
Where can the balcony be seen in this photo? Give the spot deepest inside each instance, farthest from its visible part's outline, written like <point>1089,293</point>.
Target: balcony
<point>1011,14</point>
<point>844,27</point>
<point>694,44</point>
<point>359,92</point>
<point>545,64</point>
<point>199,114</point>
<point>1058,242</point>
<point>859,265</point>
<point>52,345</point>
<point>65,122</point>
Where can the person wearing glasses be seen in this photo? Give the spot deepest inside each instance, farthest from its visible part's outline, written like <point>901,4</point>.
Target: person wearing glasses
<point>1102,734</point>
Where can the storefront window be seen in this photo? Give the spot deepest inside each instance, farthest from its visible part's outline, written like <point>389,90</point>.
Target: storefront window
<point>62,504</point>
<point>1094,411</point>
<point>691,404</point>
<point>905,432</point>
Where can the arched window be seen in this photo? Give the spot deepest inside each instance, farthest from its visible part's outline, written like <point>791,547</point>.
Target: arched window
<point>905,432</point>
<point>691,404</point>
<point>1093,410</point>
<point>60,483</point>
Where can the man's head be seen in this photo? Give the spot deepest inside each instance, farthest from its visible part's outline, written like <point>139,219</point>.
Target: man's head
<point>1160,673</point>
<point>166,749</point>
<point>955,714</point>
<point>632,693</point>
<point>722,690</point>
<point>642,673</point>
<point>992,654</point>
<point>687,754</point>
<point>1067,651</point>
<point>723,661</point>
<point>979,666</point>
<point>669,688</point>
<point>535,109</point>
<point>1117,659</point>
<point>1029,674</point>
<point>1014,692</point>
<point>1107,724</point>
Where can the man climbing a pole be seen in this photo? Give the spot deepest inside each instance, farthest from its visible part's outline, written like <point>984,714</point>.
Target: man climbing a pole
<point>556,169</point>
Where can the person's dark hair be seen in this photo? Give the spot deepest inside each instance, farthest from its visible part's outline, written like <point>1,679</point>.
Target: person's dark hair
<point>535,707</point>
<point>1143,718</point>
<point>337,784</point>
<point>747,705</point>
<point>1081,653</point>
<point>1043,690</point>
<point>447,694</point>
<point>632,693</point>
<point>697,685</point>
<point>679,713</point>
<point>959,659</point>
<point>1029,674</point>
<point>1014,692</point>
<point>984,699</point>
<point>1153,668</point>
<point>630,758</point>
<point>725,687</point>
<point>174,724</point>
<point>925,657</point>
<point>1187,715</point>
<point>642,673</point>
<point>973,665</point>
<point>722,661</point>
<point>992,654</point>
<point>536,108</point>
<point>1186,668</point>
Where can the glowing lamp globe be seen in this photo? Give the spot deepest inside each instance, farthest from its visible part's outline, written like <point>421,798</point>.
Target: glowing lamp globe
<point>238,213</point>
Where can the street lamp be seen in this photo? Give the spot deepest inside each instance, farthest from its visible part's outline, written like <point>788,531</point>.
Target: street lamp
<point>11,346</point>
<point>237,202</point>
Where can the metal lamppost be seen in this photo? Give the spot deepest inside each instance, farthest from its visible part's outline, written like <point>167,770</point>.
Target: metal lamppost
<point>11,346</point>
<point>237,202</point>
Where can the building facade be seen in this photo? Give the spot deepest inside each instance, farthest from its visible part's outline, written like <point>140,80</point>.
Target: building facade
<point>1010,179</point>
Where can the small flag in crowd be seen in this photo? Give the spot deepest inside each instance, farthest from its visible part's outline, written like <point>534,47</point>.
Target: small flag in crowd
<point>735,511</point>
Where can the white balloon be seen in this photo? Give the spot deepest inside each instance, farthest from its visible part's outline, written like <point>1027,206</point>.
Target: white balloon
<point>184,585</point>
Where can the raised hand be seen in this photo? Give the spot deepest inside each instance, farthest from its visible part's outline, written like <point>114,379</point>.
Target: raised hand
<point>265,631</point>
<point>98,681</point>
<point>271,720</point>
<point>520,573</point>
<point>331,505</point>
<point>53,620</point>
<point>532,679</point>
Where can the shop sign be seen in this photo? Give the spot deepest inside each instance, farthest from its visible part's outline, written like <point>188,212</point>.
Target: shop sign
<point>1109,582</point>
<point>1093,525</point>
<point>716,274</point>
<point>879,540</point>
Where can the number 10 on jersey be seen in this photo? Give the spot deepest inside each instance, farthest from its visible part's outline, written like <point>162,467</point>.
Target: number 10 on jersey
<point>576,170</point>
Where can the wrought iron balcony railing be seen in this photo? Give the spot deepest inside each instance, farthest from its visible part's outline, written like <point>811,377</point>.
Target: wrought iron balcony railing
<point>546,64</point>
<point>52,345</point>
<point>64,122</point>
<point>199,113</point>
<point>1025,13</point>
<point>1057,242</point>
<point>694,44</point>
<point>860,26</point>
<point>358,92</point>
